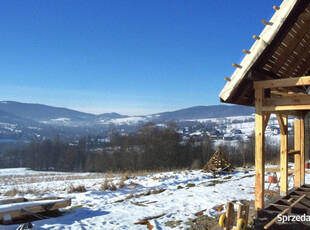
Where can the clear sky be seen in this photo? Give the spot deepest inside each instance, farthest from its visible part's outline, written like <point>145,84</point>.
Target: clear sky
<point>127,56</point>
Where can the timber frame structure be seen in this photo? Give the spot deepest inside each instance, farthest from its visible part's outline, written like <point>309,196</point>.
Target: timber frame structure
<point>274,77</point>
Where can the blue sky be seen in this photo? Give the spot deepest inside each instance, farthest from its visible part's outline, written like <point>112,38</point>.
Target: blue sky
<point>132,57</point>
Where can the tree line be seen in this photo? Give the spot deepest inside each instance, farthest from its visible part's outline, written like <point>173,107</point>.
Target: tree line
<point>152,148</point>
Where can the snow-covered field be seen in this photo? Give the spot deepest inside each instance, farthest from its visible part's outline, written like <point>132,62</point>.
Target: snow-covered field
<point>178,195</point>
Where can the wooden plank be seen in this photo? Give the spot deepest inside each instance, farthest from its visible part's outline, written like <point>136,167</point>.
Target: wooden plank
<point>271,108</point>
<point>295,100</point>
<point>297,156</point>
<point>259,151</point>
<point>287,82</point>
<point>302,151</point>
<point>35,207</point>
<point>284,212</point>
<point>283,121</point>
<point>13,200</point>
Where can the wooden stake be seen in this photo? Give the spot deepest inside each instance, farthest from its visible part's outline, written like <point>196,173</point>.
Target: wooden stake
<point>259,151</point>
<point>227,79</point>
<point>276,7</point>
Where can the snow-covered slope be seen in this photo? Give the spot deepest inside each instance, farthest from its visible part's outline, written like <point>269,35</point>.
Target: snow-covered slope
<point>178,195</point>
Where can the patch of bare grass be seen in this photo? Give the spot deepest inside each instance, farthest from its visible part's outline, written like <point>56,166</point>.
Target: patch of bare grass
<point>12,192</point>
<point>108,185</point>
<point>79,188</point>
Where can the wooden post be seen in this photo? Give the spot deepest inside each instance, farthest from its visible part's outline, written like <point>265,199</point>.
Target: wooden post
<point>229,215</point>
<point>297,156</point>
<point>302,151</point>
<point>283,121</point>
<point>259,151</point>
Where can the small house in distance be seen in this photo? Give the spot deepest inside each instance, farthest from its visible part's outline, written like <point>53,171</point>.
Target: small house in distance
<point>274,77</point>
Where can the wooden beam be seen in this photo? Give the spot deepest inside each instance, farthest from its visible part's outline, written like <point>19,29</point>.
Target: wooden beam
<point>290,113</point>
<point>297,156</point>
<point>287,82</point>
<point>283,127</point>
<point>266,119</point>
<point>293,152</point>
<point>227,79</point>
<point>296,100</point>
<point>302,151</point>
<point>259,151</point>
<point>271,108</point>
<point>283,121</point>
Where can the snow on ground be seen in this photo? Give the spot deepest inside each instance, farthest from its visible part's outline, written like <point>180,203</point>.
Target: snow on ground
<point>178,194</point>
<point>126,120</point>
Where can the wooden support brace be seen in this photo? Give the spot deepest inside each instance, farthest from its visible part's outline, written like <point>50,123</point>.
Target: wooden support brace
<point>266,119</point>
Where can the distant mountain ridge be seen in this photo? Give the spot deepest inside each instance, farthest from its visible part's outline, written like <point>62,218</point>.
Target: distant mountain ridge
<point>26,121</point>
<point>55,115</point>
<point>213,111</point>
<point>40,112</point>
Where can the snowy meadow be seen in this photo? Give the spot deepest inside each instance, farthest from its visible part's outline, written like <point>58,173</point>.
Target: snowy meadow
<point>118,201</point>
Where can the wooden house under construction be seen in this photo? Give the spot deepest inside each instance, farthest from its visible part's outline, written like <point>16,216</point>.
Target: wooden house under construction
<point>274,77</point>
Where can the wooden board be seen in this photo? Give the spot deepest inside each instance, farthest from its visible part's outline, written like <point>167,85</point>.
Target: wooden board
<point>15,210</point>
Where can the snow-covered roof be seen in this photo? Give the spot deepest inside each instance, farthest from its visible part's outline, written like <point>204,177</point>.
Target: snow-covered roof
<point>280,51</point>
